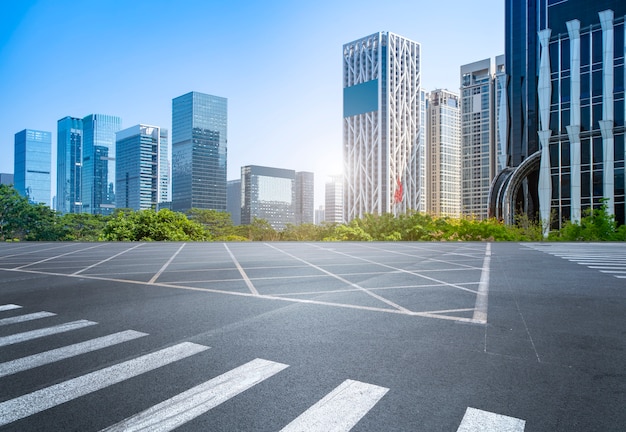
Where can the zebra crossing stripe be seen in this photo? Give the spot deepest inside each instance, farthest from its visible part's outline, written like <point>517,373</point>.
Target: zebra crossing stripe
<point>340,410</point>
<point>176,411</point>
<point>40,400</point>
<point>7,307</point>
<point>23,318</point>
<point>476,420</point>
<point>35,334</point>
<point>36,360</point>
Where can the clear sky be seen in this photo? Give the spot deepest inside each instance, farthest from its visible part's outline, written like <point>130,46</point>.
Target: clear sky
<point>278,62</point>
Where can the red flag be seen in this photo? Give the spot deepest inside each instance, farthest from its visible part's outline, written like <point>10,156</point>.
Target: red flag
<point>397,196</point>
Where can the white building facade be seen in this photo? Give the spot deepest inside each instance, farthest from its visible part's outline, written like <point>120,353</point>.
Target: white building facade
<point>383,145</point>
<point>444,154</point>
<point>484,125</point>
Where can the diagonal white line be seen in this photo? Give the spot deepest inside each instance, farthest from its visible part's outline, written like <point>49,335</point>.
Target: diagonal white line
<point>36,334</point>
<point>480,309</point>
<point>7,307</point>
<point>476,420</point>
<point>178,410</point>
<point>243,274</point>
<point>57,256</point>
<point>108,259</point>
<point>360,288</point>
<point>40,359</point>
<point>169,261</point>
<point>27,317</point>
<point>340,410</point>
<point>40,400</point>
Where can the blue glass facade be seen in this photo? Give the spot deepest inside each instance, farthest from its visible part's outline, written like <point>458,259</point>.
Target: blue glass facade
<point>69,165</point>
<point>268,193</point>
<point>199,152</point>
<point>98,171</point>
<point>32,165</point>
<point>138,159</point>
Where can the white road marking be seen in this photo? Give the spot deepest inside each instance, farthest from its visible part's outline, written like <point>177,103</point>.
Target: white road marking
<point>7,307</point>
<point>36,360</point>
<point>357,286</point>
<point>40,400</point>
<point>47,331</point>
<point>476,420</point>
<point>108,259</point>
<point>26,317</point>
<point>180,409</point>
<point>482,298</point>
<point>57,256</point>
<point>340,410</point>
<point>156,276</point>
<point>243,274</point>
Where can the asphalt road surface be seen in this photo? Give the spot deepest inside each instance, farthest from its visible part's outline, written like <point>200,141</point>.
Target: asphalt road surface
<point>313,337</point>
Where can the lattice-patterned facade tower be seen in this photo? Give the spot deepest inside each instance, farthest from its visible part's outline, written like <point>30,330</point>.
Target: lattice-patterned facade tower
<point>383,111</point>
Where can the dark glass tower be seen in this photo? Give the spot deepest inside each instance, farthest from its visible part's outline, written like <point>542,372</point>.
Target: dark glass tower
<point>199,150</point>
<point>32,165</point>
<point>69,164</point>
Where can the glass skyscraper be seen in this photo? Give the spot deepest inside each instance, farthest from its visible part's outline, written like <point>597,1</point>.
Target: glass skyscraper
<point>305,197</point>
<point>199,151</point>
<point>268,193</point>
<point>69,165</point>
<point>98,171</point>
<point>383,114</point>
<point>139,157</point>
<point>32,163</point>
<point>565,61</point>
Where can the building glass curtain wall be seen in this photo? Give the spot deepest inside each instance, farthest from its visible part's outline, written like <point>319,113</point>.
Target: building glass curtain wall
<point>383,147</point>
<point>138,182</point>
<point>268,193</point>
<point>69,165</point>
<point>234,200</point>
<point>578,124</point>
<point>98,173</point>
<point>199,152</point>
<point>305,197</point>
<point>333,200</point>
<point>32,163</point>
<point>444,154</point>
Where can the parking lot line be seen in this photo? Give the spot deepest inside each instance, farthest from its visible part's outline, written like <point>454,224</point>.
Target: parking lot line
<point>108,259</point>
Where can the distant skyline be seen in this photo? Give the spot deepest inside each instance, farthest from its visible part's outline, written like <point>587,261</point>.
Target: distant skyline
<point>279,64</point>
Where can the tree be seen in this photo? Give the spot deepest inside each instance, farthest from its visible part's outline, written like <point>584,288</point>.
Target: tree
<point>13,209</point>
<point>218,224</point>
<point>148,225</point>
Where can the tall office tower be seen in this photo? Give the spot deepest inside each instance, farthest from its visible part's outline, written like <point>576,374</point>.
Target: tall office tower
<point>268,193</point>
<point>333,200</point>
<point>305,197</point>
<point>483,132</point>
<point>444,154</point>
<point>6,178</point>
<point>98,171</point>
<point>566,149</point>
<point>165,184</point>
<point>383,147</point>
<point>199,142</point>
<point>233,200</point>
<point>138,170</point>
<point>319,215</point>
<point>32,163</point>
<point>69,165</point>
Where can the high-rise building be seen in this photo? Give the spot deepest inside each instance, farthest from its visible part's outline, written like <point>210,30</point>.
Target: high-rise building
<point>233,200</point>
<point>268,193</point>
<point>319,215</point>
<point>484,127</point>
<point>443,154</point>
<point>199,150</point>
<point>138,171</point>
<point>165,185</point>
<point>565,62</point>
<point>305,197</point>
<point>32,163</point>
<point>383,113</point>
<point>98,170</point>
<point>69,165</point>
<point>6,178</point>
<point>333,200</point>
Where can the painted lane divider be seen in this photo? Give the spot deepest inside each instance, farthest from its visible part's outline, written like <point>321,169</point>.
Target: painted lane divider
<point>47,331</point>
<point>476,420</point>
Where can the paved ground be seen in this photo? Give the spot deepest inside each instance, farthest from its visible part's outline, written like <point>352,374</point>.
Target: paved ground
<point>312,336</point>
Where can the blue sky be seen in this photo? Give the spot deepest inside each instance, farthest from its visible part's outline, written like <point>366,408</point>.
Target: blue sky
<point>278,62</point>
